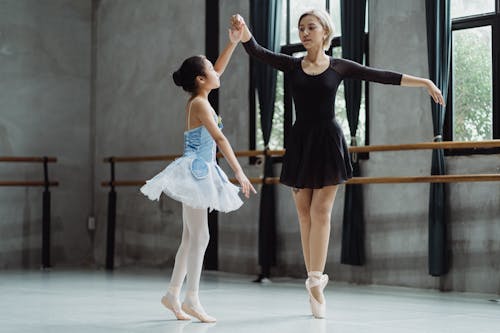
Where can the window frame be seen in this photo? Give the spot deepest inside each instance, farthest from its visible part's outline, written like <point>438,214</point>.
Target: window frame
<point>469,22</point>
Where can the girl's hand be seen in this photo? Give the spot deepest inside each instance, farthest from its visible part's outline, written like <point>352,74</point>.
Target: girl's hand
<point>435,93</point>
<point>235,35</point>
<point>246,186</point>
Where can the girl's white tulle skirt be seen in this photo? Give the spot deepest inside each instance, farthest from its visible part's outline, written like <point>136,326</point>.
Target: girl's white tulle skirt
<point>213,191</point>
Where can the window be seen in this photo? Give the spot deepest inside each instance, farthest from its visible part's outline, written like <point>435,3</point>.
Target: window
<point>290,44</point>
<point>473,101</point>
<point>463,8</point>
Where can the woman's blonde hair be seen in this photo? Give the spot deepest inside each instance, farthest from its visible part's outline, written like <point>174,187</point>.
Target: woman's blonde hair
<point>325,21</point>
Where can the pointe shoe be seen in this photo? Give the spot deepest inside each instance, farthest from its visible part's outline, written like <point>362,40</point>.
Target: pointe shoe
<point>198,313</point>
<point>177,311</point>
<point>318,309</point>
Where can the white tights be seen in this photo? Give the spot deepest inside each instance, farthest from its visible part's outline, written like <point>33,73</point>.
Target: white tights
<point>189,258</point>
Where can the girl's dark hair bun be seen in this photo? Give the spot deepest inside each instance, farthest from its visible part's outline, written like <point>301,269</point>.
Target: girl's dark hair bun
<point>177,78</point>
<point>185,76</point>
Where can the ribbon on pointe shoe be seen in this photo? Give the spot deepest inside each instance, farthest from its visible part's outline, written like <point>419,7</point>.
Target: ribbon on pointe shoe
<point>317,279</point>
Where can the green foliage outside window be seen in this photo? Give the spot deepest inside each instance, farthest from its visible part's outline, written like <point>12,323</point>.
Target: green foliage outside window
<point>472,85</point>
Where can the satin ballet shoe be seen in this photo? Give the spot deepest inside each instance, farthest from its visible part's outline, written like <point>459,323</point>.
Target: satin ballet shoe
<point>323,281</point>
<point>176,310</point>
<point>318,309</point>
<point>198,313</point>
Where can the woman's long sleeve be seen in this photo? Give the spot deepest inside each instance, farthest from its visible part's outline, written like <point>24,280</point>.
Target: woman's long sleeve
<point>352,70</point>
<point>279,61</point>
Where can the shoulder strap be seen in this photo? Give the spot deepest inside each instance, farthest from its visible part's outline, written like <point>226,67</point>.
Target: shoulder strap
<point>189,114</point>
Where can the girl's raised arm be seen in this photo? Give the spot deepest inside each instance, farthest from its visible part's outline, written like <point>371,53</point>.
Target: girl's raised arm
<point>223,59</point>
<point>279,61</point>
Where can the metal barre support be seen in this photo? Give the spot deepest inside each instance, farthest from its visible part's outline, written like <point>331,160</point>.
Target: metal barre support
<point>46,216</point>
<point>110,238</point>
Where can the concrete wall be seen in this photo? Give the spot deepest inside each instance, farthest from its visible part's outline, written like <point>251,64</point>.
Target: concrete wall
<point>396,215</point>
<point>140,111</point>
<point>238,241</point>
<point>44,98</point>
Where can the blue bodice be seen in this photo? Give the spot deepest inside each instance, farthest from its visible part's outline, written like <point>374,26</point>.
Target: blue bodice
<point>199,143</point>
<point>200,147</point>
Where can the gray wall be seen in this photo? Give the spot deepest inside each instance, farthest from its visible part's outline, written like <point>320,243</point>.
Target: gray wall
<point>237,230</point>
<point>140,111</point>
<point>44,98</point>
<point>396,215</point>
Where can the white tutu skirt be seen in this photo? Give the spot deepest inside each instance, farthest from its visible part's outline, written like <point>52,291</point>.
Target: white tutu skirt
<point>211,190</point>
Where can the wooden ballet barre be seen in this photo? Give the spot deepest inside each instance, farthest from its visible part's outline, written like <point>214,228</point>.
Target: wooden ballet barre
<point>46,214</point>
<point>354,149</point>
<point>427,145</point>
<point>27,183</point>
<point>244,153</point>
<point>141,158</point>
<point>414,179</point>
<point>117,183</point>
<point>414,146</point>
<point>356,180</point>
<point>408,146</point>
<point>425,179</point>
<point>27,159</point>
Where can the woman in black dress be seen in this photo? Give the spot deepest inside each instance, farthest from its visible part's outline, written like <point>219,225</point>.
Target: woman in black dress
<point>317,159</point>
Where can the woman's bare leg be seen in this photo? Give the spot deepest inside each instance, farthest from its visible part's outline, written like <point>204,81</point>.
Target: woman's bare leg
<point>303,198</point>
<point>319,233</point>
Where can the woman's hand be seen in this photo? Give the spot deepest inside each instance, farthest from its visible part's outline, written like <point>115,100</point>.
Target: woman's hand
<point>237,22</point>
<point>246,186</point>
<point>415,81</point>
<point>435,92</point>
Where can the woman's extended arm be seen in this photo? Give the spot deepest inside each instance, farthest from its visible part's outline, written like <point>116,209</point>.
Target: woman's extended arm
<point>351,69</point>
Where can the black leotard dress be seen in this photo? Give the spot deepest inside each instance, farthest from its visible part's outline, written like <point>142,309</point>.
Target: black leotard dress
<point>317,154</point>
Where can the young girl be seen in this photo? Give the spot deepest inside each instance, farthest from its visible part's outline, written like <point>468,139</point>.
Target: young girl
<point>196,180</point>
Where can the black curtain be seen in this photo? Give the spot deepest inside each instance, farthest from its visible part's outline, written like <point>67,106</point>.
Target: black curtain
<point>439,50</point>
<point>265,22</point>
<point>353,228</point>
